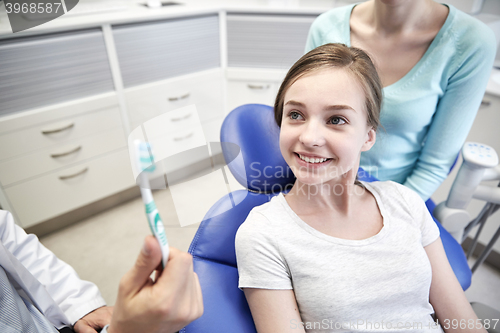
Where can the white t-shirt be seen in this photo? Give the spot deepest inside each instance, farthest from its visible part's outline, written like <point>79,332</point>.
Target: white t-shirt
<point>377,284</point>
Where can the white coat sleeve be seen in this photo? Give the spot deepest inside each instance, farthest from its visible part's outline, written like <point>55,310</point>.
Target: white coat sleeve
<point>74,296</point>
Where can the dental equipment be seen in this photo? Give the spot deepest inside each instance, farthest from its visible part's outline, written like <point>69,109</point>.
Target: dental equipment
<point>480,163</point>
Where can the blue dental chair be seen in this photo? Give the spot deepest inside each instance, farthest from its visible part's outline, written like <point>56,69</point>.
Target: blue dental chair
<point>260,168</point>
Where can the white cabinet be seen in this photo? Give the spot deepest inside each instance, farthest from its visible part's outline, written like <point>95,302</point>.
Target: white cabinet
<point>62,140</point>
<point>48,69</point>
<point>266,41</point>
<point>204,89</point>
<point>167,65</point>
<point>250,91</point>
<point>60,155</point>
<point>58,107</point>
<point>258,86</point>
<point>171,125</point>
<point>260,50</point>
<point>57,159</point>
<point>59,192</point>
<point>158,50</point>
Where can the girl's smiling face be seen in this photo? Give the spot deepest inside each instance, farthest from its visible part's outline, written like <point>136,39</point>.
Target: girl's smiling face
<point>324,127</point>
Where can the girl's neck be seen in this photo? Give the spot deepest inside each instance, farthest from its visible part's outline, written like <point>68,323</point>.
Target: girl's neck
<point>340,197</point>
<point>395,17</point>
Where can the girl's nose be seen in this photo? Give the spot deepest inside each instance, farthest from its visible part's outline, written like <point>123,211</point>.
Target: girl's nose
<point>312,136</point>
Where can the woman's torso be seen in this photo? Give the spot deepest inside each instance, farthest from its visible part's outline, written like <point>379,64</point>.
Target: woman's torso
<point>396,53</point>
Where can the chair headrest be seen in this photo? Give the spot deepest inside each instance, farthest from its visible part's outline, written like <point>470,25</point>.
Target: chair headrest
<point>260,167</point>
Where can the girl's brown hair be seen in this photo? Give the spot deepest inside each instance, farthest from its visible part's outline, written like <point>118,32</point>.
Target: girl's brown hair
<point>333,55</point>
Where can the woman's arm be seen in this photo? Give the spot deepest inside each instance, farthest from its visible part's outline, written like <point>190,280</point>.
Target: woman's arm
<point>452,308</point>
<point>274,311</point>
<point>456,109</point>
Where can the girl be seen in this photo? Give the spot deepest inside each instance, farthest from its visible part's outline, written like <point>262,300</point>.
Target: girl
<point>335,254</point>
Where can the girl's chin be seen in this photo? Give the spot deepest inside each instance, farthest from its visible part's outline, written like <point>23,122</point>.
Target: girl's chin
<point>311,181</point>
<point>314,177</point>
<point>332,180</point>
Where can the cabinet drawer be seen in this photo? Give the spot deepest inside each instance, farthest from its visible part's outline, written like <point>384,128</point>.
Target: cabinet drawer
<point>49,196</point>
<point>179,149</point>
<point>245,92</point>
<point>490,101</point>
<point>166,147</point>
<point>60,156</point>
<point>204,90</point>
<point>212,130</point>
<point>172,121</point>
<point>174,151</point>
<point>51,134</point>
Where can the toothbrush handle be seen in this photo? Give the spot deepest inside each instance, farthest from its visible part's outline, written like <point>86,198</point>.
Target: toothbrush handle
<point>154,220</point>
<point>158,230</point>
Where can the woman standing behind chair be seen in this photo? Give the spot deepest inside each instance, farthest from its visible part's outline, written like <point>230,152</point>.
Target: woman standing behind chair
<point>434,62</point>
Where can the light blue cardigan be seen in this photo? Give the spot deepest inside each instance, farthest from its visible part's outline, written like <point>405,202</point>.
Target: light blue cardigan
<point>427,114</point>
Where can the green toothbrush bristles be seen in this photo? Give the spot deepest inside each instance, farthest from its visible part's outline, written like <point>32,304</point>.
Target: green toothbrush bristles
<point>146,157</point>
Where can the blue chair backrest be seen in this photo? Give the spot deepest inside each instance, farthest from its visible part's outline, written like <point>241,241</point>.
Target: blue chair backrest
<point>259,166</point>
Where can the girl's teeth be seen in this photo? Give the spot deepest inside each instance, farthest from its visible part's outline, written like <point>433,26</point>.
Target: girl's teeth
<point>312,160</point>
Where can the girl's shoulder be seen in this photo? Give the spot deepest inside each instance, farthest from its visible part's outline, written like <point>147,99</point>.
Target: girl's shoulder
<point>395,196</point>
<point>266,216</point>
<point>388,188</point>
<point>404,204</point>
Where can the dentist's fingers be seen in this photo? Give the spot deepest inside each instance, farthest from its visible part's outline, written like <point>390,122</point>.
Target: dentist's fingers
<point>198,301</point>
<point>166,305</point>
<point>94,321</point>
<point>148,260</point>
<point>180,286</point>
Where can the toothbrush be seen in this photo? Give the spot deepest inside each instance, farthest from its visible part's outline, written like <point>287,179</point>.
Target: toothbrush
<point>145,163</point>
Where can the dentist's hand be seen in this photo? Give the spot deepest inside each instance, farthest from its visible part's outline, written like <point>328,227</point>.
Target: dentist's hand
<point>166,305</point>
<point>94,321</point>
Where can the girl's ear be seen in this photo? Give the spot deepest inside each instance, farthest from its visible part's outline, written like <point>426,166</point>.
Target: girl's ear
<point>371,137</point>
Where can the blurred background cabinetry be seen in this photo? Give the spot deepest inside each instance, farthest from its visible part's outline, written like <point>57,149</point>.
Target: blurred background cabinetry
<point>260,49</point>
<point>63,132</point>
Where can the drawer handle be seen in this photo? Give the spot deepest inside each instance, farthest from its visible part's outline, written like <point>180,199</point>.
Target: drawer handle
<point>173,99</point>
<point>485,103</point>
<point>181,118</point>
<point>74,175</point>
<point>57,130</point>
<point>259,86</point>
<point>74,150</point>
<point>184,137</point>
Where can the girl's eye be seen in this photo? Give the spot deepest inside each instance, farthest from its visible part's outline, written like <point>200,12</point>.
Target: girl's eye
<point>294,115</point>
<point>337,121</point>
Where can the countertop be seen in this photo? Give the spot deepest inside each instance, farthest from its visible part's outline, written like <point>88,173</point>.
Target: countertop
<point>133,11</point>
